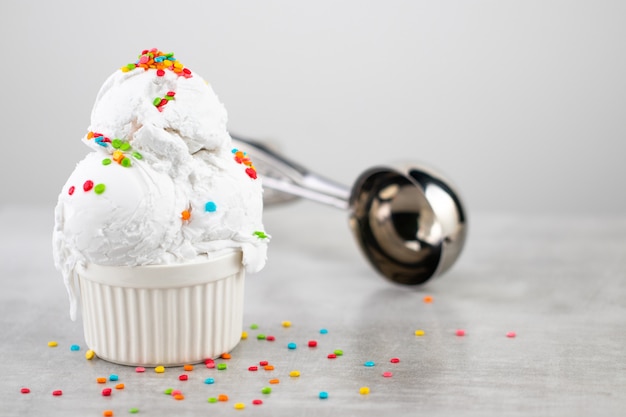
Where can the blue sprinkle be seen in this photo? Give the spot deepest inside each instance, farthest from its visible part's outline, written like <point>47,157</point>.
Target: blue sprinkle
<point>323,331</point>
<point>113,377</point>
<point>159,59</point>
<point>323,395</point>
<point>74,347</point>
<point>171,58</point>
<point>369,363</point>
<point>234,150</point>
<point>210,207</point>
<point>291,345</point>
<point>209,381</point>
<point>100,141</point>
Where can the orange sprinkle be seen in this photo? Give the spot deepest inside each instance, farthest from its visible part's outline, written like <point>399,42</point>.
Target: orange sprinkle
<point>269,367</point>
<point>107,413</point>
<point>118,156</point>
<point>185,214</point>
<point>188,367</point>
<point>226,356</point>
<point>101,380</point>
<point>428,299</point>
<point>119,386</point>
<point>274,381</point>
<point>222,397</point>
<point>179,397</point>
<point>90,135</point>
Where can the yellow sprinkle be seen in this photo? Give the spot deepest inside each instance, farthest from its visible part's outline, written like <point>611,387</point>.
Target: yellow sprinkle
<point>294,373</point>
<point>286,323</point>
<point>244,335</point>
<point>364,390</point>
<point>90,354</point>
<point>159,369</point>
<point>419,333</point>
<point>240,406</point>
<point>52,344</point>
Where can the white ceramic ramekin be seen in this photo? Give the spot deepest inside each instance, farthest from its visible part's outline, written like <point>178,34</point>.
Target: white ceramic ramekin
<point>163,314</point>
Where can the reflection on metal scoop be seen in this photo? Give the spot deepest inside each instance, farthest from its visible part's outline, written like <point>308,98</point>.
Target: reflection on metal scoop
<point>409,222</point>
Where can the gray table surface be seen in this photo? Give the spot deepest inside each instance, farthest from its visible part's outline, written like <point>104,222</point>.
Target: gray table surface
<point>558,282</point>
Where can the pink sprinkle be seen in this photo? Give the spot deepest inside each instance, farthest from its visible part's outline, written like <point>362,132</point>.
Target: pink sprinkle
<point>510,334</point>
<point>210,365</point>
<point>460,332</point>
<point>57,392</point>
<point>209,360</point>
<point>183,377</point>
<point>25,390</point>
<point>312,343</point>
<point>140,369</point>
<point>394,360</point>
<point>160,108</point>
<point>106,392</point>
<point>143,59</point>
<point>387,374</point>
<point>253,368</point>
<point>176,392</point>
<point>257,402</point>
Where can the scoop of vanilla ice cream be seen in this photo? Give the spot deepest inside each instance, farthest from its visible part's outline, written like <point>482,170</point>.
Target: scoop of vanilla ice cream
<point>162,184</point>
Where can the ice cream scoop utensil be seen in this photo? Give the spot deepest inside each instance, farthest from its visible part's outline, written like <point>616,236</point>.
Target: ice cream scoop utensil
<point>408,220</point>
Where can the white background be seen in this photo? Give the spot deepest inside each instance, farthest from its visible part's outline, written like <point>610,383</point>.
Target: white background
<point>521,103</point>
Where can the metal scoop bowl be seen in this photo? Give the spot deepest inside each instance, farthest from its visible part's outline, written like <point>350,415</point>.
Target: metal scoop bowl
<point>409,221</point>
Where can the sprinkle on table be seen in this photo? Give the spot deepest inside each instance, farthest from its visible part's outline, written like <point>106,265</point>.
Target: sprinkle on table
<point>511,334</point>
<point>52,343</point>
<point>419,333</point>
<point>364,390</point>
<point>460,332</point>
<point>25,390</point>
<point>323,395</point>
<point>90,354</point>
<point>286,323</point>
<point>159,369</point>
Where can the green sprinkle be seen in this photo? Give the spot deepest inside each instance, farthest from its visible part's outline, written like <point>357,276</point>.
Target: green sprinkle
<point>260,234</point>
<point>260,336</point>
<point>126,162</point>
<point>168,98</point>
<point>221,366</point>
<point>338,352</point>
<point>116,143</point>
<point>254,326</point>
<point>125,146</point>
<point>266,390</point>
<point>131,66</point>
<point>168,391</point>
<point>133,410</point>
<point>106,161</point>
<point>156,101</point>
<point>212,400</point>
<point>99,189</point>
<point>137,155</point>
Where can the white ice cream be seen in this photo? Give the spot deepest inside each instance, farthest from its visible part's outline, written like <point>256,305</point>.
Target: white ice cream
<point>162,184</point>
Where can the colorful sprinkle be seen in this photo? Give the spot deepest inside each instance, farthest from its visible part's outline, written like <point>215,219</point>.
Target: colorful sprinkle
<point>221,366</point>
<point>101,380</point>
<point>312,343</point>
<point>364,390</point>
<point>99,189</point>
<point>331,356</point>
<point>107,413</point>
<point>212,400</point>
<point>106,392</point>
<point>253,368</point>
<point>70,191</point>
<point>159,369</point>
<point>25,390</point>
<point>210,207</point>
<point>263,363</point>
<point>460,332</point>
<point>254,326</point>
<point>270,338</point>
<point>387,374</point>
<point>269,367</point>
<point>90,354</point>
<point>394,360</point>
<point>185,215</point>
<point>57,393</point>
<point>274,381</point>
<point>260,234</point>
<point>266,390</point>
<point>179,397</point>
<point>323,331</point>
<point>52,344</point>
<point>133,410</point>
<point>168,391</point>
<point>239,406</point>
<point>74,348</point>
<point>323,395</point>
<point>428,299</point>
<point>291,345</point>
<point>286,323</point>
<point>120,386</point>
<point>88,185</point>
<point>260,336</point>
<point>137,155</point>
<point>369,364</point>
<point>222,397</point>
<point>338,352</point>
<point>183,377</point>
<point>244,335</point>
<point>188,367</point>
<point>294,374</point>
<point>419,333</point>
<point>140,369</point>
<point>511,334</point>
<point>159,61</point>
<point>226,355</point>
<point>257,402</point>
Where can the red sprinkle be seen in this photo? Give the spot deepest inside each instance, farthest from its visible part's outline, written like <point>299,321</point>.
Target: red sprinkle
<point>257,402</point>
<point>332,356</point>
<point>263,363</point>
<point>186,71</point>
<point>253,368</point>
<point>163,102</point>
<point>394,360</point>
<point>312,343</point>
<point>160,73</point>
<point>71,190</point>
<point>171,93</point>
<point>25,390</point>
<point>209,360</point>
<point>270,338</point>
<point>57,392</point>
<point>106,392</point>
<point>183,377</point>
<point>88,185</point>
<point>251,173</point>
